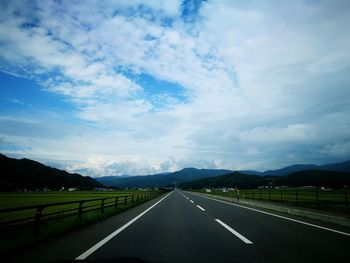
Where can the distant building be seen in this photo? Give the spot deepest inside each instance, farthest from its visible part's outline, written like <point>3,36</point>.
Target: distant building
<point>102,189</point>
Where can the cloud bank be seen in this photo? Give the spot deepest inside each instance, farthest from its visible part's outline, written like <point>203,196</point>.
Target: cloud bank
<point>153,86</point>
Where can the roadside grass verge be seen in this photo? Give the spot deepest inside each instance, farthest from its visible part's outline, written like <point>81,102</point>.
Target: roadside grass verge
<point>15,238</point>
<point>18,199</point>
<point>324,200</point>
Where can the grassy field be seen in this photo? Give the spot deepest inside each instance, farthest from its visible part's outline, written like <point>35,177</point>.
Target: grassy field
<point>14,237</point>
<point>332,200</point>
<point>17,199</point>
<point>20,199</point>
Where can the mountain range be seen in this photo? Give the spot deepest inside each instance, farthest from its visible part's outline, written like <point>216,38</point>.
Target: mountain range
<point>337,167</point>
<point>317,178</point>
<point>163,179</point>
<point>29,174</point>
<point>190,174</point>
<point>19,174</point>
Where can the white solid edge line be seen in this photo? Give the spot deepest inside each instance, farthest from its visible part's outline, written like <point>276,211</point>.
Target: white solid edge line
<point>191,201</point>
<point>283,217</point>
<point>201,208</point>
<point>106,239</point>
<point>244,239</point>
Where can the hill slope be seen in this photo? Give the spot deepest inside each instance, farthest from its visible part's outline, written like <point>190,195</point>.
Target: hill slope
<point>234,179</point>
<point>164,179</point>
<point>335,167</point>
<point>338,167</point>
<point>190,174</point>
<point>318,178</point>
<point>27,174</point>
<point>304,178</point>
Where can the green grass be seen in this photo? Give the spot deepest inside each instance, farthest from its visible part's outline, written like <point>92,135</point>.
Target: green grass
<point>14,199</point>
<point>14,237</point>
<point>331,200</point>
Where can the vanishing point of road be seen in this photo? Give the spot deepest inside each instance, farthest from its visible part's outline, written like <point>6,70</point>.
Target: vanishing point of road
<point>186,227</point>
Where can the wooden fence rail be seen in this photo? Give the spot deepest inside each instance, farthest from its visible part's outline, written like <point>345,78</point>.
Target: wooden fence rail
<point>64,209</point>
<point>333,199</point>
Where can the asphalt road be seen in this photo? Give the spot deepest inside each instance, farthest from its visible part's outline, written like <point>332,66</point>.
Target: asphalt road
<point>183,227</point>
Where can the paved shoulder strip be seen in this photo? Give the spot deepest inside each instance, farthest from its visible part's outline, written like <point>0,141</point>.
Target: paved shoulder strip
<point>106,239</point>
<point>283,217</point>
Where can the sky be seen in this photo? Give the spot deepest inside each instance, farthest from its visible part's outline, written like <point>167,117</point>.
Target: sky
<point>141,87</point>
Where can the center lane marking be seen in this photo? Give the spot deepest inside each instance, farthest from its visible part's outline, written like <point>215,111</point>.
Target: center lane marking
<point>191,201</point>
<point>245,240</point>
<point>201,208</point>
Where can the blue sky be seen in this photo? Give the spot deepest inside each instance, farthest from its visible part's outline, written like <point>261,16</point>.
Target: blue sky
<point>139,87</point>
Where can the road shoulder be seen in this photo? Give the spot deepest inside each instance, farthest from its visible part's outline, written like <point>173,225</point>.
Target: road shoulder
<point>71,245</point>
<point>327,218</point>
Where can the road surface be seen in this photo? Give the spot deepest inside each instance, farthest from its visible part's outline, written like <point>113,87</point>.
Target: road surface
<point>184,227</point>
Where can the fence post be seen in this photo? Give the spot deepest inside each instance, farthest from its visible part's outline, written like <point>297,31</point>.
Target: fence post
<point>269,195</point>
<point>317,198</point>
<point>102,206</point>
<point>125,200</point>
<point>346,200</point>
<point>132,199</point>
<point>116,203</point>
<point>281,196</point>
<point>80,210</point>
<point>137,197</point>
<point>38,214</point>
<point>296,198</point>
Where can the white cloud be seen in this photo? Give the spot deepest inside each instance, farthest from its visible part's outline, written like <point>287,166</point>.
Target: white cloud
<point>265,84</point>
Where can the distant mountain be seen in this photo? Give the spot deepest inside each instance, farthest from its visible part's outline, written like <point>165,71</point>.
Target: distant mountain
<point>336,167</point>
<point>234,179</point>
<point>339,167</point>
<point>315,178</point>
<point>163,179</point>
<point>318,178</point>
<point>290,169</point>
<point>250,172</point>
<point>27,174</point>
<point>190,174</point>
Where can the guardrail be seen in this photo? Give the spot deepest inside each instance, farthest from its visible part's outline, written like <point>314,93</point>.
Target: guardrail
<point>330,199</point>
<point>64,209</point>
